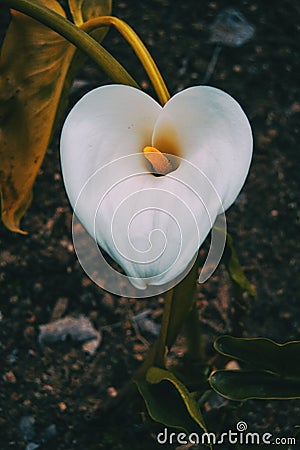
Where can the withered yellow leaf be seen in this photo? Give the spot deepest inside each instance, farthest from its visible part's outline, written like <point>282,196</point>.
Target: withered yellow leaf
<point>35,76</point>
<point>83,10</point>
<point>33,66</point>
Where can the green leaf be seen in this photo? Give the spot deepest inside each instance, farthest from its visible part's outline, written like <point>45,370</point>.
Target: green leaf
<point>165,406</point>
<point>231,261</point>
<point>273,370</point>
<point>34,62</point>
<point>244,385</point>
<point>263,354</point>
<point>169,402</point>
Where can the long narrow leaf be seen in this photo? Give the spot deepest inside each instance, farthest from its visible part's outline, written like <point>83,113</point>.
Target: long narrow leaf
<point>263,354</point>
<point>272,370</point>
<point>244,385</point>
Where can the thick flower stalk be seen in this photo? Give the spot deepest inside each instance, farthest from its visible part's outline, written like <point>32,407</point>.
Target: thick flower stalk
<point>148,182</point>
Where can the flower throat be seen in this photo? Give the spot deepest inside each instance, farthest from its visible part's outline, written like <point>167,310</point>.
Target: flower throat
<point>159,163</point>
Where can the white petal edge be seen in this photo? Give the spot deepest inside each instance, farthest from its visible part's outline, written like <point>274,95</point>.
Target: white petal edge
<point>213,132</point>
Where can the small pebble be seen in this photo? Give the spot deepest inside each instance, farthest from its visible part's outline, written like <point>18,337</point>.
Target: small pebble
<point>232,365</point>
<point>62,406</point>
<point>78,329</point>
<point>231,28</point>
<point>59,308</point>
<point>48,433</point>
<point>12,358</point>
<point>91,346</point>
<point>10,377</point>
<point>31,446</point>
<point>112,392</point>
<point>26,426</point>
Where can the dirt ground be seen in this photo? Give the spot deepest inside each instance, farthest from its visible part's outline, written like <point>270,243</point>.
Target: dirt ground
<point>52,395</point>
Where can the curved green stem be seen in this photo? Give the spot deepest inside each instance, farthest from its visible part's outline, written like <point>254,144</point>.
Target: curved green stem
<point>195,348</point>
<point>161,347</point>
<point>178,304</point>
<point>139,48</point>
<point>77,37</point>
<point>182,303</point>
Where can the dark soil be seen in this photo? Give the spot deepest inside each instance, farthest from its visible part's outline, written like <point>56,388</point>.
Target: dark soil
<point>59,385</point>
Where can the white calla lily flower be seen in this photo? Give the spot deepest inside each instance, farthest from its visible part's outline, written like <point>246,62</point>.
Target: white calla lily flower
<point>111,155</point>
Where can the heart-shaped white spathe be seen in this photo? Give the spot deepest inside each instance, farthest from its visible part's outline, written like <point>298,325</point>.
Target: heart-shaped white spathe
<point>153,226</point>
